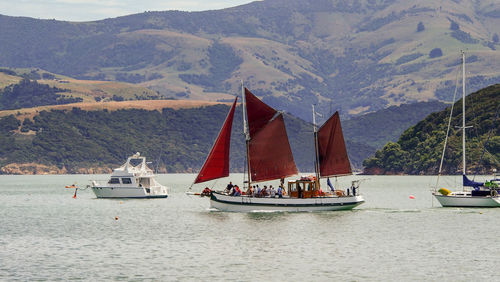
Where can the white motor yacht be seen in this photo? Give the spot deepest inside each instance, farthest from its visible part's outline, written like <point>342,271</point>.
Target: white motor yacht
<point>134,179</point>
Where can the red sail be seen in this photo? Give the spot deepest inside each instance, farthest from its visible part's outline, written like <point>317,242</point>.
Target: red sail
<point>333,159</point>
<point>259,114</point>
<point>217,163</point>
<point>269,153</point>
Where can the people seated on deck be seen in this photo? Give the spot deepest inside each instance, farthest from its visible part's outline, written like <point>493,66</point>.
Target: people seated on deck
<point>280,192</point>
<point>237,191</point>
<point>229,187</point>
<point>249,191</point>
<point>259,191</point>
<point>206,192</point>
<point>264,191</point>
<point>255,194</point>
<point>272,191</point>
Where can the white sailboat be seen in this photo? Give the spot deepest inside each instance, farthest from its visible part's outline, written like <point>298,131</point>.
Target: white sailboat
<point>269,157</point>
<point>134,179</point>
<point>473,194</point>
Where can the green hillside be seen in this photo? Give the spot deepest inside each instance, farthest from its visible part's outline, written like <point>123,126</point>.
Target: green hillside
<point>78,141</point>
<point>377,128</point>
<point>358,55</point>
<point>418,150</point>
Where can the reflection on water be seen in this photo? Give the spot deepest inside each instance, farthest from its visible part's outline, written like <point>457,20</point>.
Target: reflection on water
<point>267,216</point>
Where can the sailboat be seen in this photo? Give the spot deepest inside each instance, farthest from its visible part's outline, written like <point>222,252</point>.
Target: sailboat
<point>473,194</point>
<point>269,157</point>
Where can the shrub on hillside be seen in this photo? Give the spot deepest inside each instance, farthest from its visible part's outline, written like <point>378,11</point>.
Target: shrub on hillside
<point>420,27</point>
<point>436,52</point>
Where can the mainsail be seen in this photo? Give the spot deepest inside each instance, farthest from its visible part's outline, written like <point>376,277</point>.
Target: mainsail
<point>217,163</point>
<point>269,153</point>
<point>333,159</point>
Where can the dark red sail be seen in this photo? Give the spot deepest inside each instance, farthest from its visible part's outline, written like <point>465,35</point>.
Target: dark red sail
<point>217,163</point>
<point>258,113</point>
<point>333,159</point>
<point>270,155</point>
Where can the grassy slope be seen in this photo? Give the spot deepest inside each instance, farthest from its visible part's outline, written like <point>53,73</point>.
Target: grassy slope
<point>279,44</point>
<point>149,105</point>
<point>88,90</point>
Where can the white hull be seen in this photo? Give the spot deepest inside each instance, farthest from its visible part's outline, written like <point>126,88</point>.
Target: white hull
<point>128,192</point>
<point>468,201</point>
<point>228,203</point>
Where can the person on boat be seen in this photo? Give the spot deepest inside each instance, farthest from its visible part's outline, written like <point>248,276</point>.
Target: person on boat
<point>206,192</point>
<point>259,191</point>
<point>272,191</point>
<point>255,194</point>
<point>264,191</point>
<point>280,192</point>
<point>229,187</point>
<point>353,190</point>
<point>249,191</point>
<point>237,191</point>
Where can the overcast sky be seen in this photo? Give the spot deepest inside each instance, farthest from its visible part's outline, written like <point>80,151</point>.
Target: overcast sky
<point>89,10</point>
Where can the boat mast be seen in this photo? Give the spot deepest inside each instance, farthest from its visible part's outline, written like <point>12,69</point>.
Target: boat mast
<point>316,153</point>
<point>463,111</point>
<point>245,131</point>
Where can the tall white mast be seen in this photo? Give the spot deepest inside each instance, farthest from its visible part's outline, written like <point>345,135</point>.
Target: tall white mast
<point>244,110</point>
<point>316,153</point>
<point>463,112</point>
<point>246,131</point>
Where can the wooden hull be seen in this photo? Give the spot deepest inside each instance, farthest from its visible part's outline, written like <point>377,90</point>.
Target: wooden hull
<point>228,203</point>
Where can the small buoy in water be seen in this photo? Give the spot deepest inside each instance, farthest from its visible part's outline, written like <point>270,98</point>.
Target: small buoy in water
<point>116,218</point>
<point>412,197</point>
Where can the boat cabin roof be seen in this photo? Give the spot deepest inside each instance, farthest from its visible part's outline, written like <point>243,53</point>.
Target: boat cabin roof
<point>134,166</point>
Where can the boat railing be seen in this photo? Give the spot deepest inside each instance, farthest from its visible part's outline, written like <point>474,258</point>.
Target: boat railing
<point>157,189</point>
<point>99,183</point>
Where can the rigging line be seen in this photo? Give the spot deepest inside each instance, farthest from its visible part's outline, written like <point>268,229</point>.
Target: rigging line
<point>158,163</point>
<point>487,141</point>
<point>448,129</point>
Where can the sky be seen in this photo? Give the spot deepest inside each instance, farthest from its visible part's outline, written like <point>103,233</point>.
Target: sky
<point>90,10</point>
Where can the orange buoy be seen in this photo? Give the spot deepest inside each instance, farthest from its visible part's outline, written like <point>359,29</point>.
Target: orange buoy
<point>412,197</point>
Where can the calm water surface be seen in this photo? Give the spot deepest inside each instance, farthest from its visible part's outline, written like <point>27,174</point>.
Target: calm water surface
<point>46,235</point>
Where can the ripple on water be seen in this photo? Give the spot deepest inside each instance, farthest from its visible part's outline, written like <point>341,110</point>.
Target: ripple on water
<point>47,235</point>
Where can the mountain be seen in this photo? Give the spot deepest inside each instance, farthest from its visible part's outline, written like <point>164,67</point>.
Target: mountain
<point>419,149</point>
<point>356,56</point>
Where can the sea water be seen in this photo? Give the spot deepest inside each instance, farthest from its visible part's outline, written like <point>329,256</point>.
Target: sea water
<point>400,233</point>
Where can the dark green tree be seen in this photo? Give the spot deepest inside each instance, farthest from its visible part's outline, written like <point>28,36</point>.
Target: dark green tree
<point>436,52</point>
<point>420,27</point>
